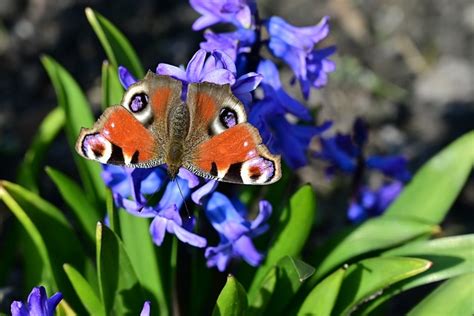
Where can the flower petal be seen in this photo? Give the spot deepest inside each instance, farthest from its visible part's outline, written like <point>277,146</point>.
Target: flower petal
<point>158,230</point>
<point>195,66</point>
<point>125,77</point>
<point>203,191</point>
<point>186,236</point>
<point>146,309</point>
<point>245,248</point>
<point>170,70</point>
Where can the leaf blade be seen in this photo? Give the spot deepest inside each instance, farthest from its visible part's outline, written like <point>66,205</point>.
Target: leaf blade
<point>232,300</point>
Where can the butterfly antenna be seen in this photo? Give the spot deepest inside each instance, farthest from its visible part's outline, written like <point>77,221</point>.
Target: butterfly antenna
<point>182,196</point>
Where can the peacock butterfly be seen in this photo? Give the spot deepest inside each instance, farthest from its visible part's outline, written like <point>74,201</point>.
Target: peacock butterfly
<point>207,134</point>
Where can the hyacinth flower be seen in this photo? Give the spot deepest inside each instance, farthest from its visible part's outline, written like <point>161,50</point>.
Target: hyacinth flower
<point>146,309</point>
<point>236,12</point>
<point>370,203</point>
<point>38,304</point>
<point>295,46</point>
<point>235,231</point>
<point>216,67</point>
<point>268,115</point>
<point>346,153</point>
<point>166,217</point>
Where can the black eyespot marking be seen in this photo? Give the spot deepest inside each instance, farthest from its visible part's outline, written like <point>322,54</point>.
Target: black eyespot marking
<point>117,155</point>
<point>228,117</point>
<point>138,102</point>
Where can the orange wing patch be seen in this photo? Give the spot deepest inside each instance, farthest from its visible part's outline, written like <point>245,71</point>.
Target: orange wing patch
<point>237,155</point>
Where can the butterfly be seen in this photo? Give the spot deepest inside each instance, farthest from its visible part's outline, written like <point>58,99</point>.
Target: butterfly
<point>208,134</point>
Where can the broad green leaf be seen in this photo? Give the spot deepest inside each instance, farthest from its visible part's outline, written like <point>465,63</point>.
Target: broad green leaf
<point>453,297</point>
<point>365,279</point>
<point>293,230</point>
<point>34,234</point>
<point>451,256</point>
<point>56,237</point>
<point>73,195</point>
<point>141,250</point>
<point>120,290</point>
<point>112,90</point>
<point>374,234</point>
<point>291,273</point>
<point>86,293</point>
<point>232,300</point>
<point>78,114</point>
<point>45,134</point>
<point>260,301</point>
<point>116,46</point>
<point>322,298</point>
<point>435,187</point>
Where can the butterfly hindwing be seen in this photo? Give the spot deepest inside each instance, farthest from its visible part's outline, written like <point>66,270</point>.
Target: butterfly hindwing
<point>229,149</point>
<point>134,133</point>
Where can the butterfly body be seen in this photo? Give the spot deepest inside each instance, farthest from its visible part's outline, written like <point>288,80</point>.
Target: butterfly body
<point>206,133</point>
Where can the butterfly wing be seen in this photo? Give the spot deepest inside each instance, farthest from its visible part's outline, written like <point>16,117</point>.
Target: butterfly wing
<point>134,133</point>
<point>224,145</point>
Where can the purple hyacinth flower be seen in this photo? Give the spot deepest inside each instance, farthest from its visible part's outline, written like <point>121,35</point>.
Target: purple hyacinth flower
<point>318,66</point>
<point>392,166</point>
<point>38,304</point>
<point>125,77</point>
<point>235,232</point>
<point>370,203</point>
<point>146,309</point>
<point>165,214</point>
<point>282,137</point>
<point>216,67</point>
<point>273,90</point>
<point>237,12</point>
<point>345,152</point>
<point>295,45</point>
<point>231,43</point>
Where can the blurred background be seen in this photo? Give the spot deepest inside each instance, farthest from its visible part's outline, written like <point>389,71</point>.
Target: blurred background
<point>406,66</point>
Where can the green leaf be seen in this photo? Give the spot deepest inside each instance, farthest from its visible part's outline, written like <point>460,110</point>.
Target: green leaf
<point>453,297</point>
<point>51,233</point>
<point>73,195</point>
<point>45,134</point>
<point>293,230</point>
<point>261,299</point>
<point>435,187</point>
<point>232,300</point>
<point>86,293</point>
<point>451,256</point>
<point>34,234</point>
<point>320,301</point>
<point>291,273</point>
<point>374,234</point>
<point>140,248</point>
<point>367,278</point>
<point>119,288</point>
<point>78,114</point>
<point>112,90</point>
<point>116,46</point>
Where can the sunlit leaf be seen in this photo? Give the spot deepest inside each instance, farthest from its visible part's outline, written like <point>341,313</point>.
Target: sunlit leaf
<point>291,273</point>
<point>451,256</point>
<point>116,46</point>
<point>120,290</point>
<point>453,297</point>
<point>364,280</point>
<point>292,232</point>
<point>434,188</point>
<point>73,195</point>
<point>78,114</point>
<point>141,250</point>
<point>30,167</point>
<point>232,300</point>
<point>374,234</point>
<point>112,90</point>
<point>321,299</point>
<point>86,293</point>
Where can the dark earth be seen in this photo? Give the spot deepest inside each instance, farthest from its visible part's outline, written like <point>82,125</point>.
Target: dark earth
<point>406,66</point>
